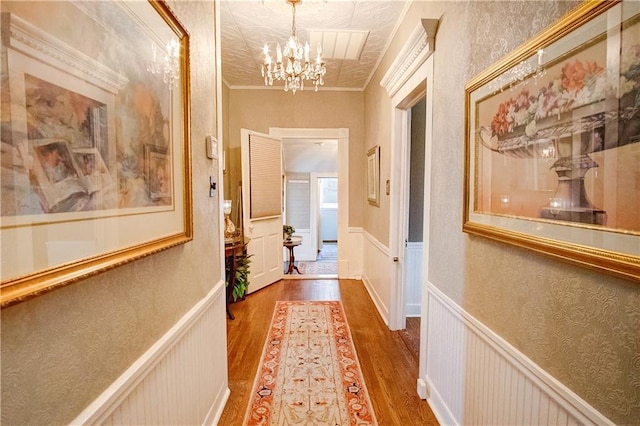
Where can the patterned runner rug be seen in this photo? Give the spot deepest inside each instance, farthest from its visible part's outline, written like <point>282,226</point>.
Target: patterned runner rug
<point>309,372</point>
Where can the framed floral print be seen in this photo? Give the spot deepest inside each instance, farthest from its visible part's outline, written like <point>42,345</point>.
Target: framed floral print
<point>553,142</point>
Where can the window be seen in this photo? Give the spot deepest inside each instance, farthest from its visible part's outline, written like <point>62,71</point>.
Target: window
<point>328,189</point>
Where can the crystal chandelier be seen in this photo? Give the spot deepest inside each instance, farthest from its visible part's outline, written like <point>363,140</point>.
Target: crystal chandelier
<point>170,63</point>
<point>516,76</point>
<point>298,67</point>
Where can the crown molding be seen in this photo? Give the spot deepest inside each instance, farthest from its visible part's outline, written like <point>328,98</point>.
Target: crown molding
<point>418,48</point>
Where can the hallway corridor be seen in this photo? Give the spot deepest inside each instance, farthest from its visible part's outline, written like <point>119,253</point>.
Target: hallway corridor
<point>389,369</point>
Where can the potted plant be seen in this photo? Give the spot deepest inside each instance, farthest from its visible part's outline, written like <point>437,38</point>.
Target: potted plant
<point>242,277</point>
<point>287,231</point>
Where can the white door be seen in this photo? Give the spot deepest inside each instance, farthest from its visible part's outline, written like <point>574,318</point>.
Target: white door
<point>262,206</point>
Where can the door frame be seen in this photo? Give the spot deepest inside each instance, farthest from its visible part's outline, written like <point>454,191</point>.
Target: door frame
<point>342,135</point>
<point>409,78</point>
<point>315,198</point>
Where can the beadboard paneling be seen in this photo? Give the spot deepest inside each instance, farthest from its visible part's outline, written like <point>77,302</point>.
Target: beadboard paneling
<point>376,273</point>
<point>413,278</point>
<point>475,377</point>
<point>181,379</point>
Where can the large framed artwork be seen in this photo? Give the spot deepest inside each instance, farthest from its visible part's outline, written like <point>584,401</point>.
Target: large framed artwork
<point>553,142</point>
<point>95,150</point>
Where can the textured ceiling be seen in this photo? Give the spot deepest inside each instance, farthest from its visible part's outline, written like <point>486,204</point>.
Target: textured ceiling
<point>248,25</point>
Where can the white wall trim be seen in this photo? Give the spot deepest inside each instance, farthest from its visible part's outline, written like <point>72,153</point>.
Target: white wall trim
<point>373,240</point>
<point>408,79</point>
<point>438,405</point>
<point>416,51</point>
<point>342,135</point>
<point>455,356</point>
<point>121,401</point>
<point>376,300</point>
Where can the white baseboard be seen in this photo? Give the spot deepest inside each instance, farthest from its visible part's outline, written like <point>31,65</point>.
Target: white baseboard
<point>474,376</point>
<point>215,412</point>
<point>181,379</point>
<point>439,406</point>
<point>384,313</point>
<point>421,388</point>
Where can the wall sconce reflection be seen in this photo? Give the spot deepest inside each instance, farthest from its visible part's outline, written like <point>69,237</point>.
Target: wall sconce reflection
<point>554,205</point>
<point>505,200</point>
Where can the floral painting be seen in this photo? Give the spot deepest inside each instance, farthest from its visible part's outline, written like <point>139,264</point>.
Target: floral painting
<point>559,141</point>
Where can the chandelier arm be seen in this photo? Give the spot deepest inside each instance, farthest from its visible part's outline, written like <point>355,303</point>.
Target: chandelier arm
<point>293,25</point>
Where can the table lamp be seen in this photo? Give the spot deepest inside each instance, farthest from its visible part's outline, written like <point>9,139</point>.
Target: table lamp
<point>230,232</point>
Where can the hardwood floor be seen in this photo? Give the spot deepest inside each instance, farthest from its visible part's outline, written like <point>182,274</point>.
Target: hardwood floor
<point>389,368</point>
<point>411,336</point>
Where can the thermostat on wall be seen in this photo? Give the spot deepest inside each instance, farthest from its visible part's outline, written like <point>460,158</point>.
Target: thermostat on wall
<point>212,147</point>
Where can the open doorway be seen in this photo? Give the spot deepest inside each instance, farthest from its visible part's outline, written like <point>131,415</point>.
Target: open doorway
<point>413,250</point>
<point>311,206</point>
<point>327,212</point>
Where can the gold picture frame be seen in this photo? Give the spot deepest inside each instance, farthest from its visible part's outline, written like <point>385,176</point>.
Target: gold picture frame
<point>92,113</point>
<point>553,142</point>
<point>373,176</point>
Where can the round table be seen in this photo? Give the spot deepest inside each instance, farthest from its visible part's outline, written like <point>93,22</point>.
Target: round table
<point>290,244</point>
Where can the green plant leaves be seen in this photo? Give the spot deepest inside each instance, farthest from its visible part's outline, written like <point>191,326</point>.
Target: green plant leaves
<point>242,277</point>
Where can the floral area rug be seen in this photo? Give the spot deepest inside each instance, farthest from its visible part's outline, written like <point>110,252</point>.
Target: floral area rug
<point>323,268</point>
<point>309,372</point>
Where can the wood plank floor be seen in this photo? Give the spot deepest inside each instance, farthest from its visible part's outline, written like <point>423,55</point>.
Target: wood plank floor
<point>390,371</point>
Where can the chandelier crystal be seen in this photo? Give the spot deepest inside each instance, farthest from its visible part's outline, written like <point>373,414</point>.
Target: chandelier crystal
<point>298,66</point>
<point>169,66</point>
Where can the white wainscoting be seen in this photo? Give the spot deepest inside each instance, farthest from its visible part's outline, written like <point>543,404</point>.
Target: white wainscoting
<point>181,379</point>
<point>475,377</point>
<point>413,279</point>
<point>350,254</point>
<point>376,273</point>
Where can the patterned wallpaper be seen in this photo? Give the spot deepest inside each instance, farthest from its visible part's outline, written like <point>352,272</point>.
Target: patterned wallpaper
<point>580,326</point>
<point>62,349</point>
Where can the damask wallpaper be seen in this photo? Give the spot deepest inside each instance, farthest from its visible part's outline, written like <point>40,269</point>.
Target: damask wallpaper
<point>62,349</point>
<point>581,326</point>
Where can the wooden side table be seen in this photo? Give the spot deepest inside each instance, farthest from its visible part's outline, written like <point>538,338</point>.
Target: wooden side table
<point>290,244</point>
<point>231,253</point>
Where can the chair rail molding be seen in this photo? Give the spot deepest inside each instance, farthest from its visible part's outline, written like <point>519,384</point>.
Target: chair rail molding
<point>418,48</point>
